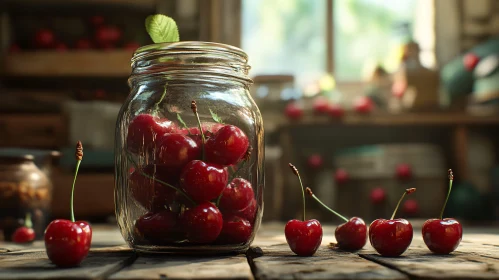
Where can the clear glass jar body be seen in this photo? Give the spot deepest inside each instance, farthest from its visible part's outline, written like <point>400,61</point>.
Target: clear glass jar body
<point>174,190</point>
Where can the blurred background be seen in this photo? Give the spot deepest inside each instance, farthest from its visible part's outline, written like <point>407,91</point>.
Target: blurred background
<point>365,97</point>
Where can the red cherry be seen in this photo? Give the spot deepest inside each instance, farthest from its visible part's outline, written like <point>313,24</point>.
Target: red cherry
<point>131,46</point>
<point>67,243</point>
<point>235,230</point>
<point>352,235</point>
<point>341,176</point>
<point>150,193</point>
<point>96,20</point>
<point>107,35</point>
<point>227,146</point>
<point>83,44</point>
<point>363,105</point>
<point>203,223</point>
<point>303,237</point>
<point>404,171</point>
<point>336,111</point>
<point>411,207</point>
<point>315,161</point>
<point>293,111</point>
<point>61,47</point>
<point>378,195</point>
<point>176,150</point>
<point>237,195</point>
<point>390,238</point>
<point>159,227</point>
<point>203,181</point>
<point>248,213</point>
<point>23,235</point>
<point>320,105</point>
<point>470,60</point>
<point>144,129</point>
<point>44,39</point>
<point>442,236</point>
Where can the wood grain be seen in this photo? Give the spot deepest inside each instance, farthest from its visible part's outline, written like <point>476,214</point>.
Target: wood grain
<point>36,265</point>
<point>278,262</point>
<point>174,267</point>
<point>421,264</point>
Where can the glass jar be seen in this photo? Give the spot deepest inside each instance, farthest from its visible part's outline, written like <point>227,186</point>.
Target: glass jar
<point>175,191</point>
<point>24,189</point>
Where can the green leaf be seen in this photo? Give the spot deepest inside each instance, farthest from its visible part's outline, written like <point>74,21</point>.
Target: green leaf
<point>179,118</point>
<point>162,29</point>
<point>215,117</point>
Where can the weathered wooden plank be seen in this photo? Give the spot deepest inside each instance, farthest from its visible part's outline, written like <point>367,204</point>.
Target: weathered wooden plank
<point>278,262</point>
<point>35,265</point>
<point>187,267</point>
<point>420,263</point>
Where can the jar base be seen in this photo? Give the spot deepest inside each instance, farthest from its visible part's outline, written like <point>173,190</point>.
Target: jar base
<point>191,250</point>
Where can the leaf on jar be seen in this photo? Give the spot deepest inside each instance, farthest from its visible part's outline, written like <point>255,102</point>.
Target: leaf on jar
<point>162,29</point>
<point>215,117</point>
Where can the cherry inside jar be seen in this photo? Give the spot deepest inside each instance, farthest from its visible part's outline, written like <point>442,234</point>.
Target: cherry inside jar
<point>189,151</point>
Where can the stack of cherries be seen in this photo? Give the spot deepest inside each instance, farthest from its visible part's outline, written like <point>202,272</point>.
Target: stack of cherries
<point>189,185</point>
<point>389,238</point>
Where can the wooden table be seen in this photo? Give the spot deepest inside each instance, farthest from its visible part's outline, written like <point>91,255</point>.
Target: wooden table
<point>269,258</point>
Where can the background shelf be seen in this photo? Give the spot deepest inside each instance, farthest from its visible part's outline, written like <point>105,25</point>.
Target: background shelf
<point>68,64</point>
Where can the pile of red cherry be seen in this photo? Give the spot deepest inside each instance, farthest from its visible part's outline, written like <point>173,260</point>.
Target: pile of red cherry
<point>390,238</point>
<point>321,106</point>
<point>185,185</point>
<point>105,36</point>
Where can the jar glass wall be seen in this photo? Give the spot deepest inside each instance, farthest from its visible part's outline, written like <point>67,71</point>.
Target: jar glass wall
<point>177,189</point>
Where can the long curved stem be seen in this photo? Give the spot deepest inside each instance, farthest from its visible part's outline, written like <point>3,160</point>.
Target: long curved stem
<point>295,171</point>
<point>303,195</point>
<point>407,191</point>
<point>168,185</point>
<point>309,191</point>
<point>451,179</point>
<point>73,191</point>
<point>203,140</point>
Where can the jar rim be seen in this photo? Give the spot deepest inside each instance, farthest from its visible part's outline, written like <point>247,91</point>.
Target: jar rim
<point>193,45</point>
<point>180,60</point>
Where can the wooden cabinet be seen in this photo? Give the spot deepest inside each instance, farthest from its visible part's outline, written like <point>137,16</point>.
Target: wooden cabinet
<point>32,130</point>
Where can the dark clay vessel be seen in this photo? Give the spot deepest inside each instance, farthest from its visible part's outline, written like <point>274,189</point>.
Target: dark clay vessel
<point>24,188</point>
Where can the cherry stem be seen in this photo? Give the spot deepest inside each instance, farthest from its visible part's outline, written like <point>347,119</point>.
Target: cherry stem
<point>168,185</point>
<point>79,157</point>
<point>158,180</point>
<point>161,99</point>
<point>310,193</point>
<point>295,171</point>
<point>27,221</point>
<point>203,140</point>
<point>73,191</point>
<point>451,179</point>
<point>407,191</point>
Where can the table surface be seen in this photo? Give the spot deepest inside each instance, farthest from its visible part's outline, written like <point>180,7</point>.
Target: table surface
<point>269,258</point>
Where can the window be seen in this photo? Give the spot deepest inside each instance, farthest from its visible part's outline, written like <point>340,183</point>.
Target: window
<point>289,36</point>
<point>285,37</point>
<point>367,33</point>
